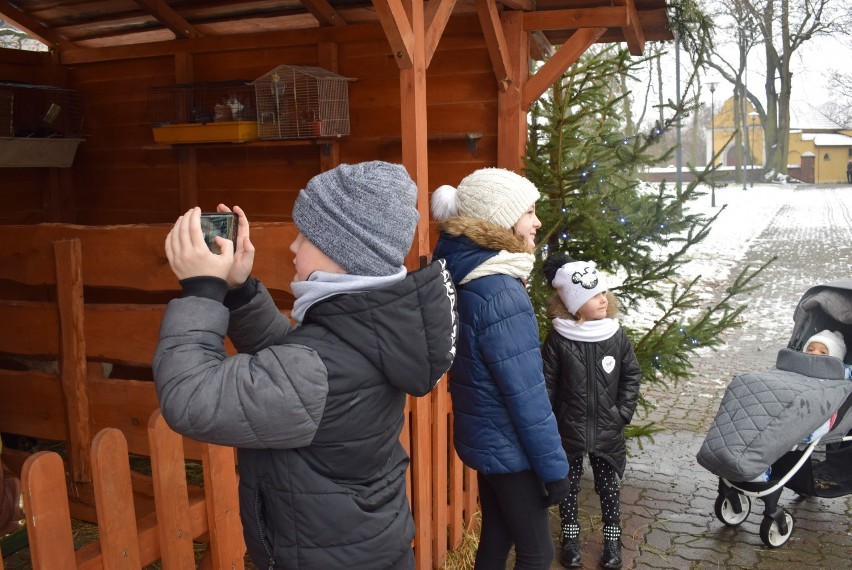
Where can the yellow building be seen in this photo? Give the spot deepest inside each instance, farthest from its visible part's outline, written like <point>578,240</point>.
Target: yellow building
<point>818,148</point>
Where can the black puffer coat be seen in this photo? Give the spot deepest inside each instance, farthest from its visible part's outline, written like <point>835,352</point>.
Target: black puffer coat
<point>315,412</point>
<point>592,405</point>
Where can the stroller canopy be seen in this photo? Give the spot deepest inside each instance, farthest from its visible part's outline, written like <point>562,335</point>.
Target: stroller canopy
<point>827,306</point>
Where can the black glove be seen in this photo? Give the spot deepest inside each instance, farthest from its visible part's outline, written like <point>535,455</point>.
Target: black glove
<point>556,491</point>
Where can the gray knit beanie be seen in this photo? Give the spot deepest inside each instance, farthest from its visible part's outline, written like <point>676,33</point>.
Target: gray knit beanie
<point>362,216</point>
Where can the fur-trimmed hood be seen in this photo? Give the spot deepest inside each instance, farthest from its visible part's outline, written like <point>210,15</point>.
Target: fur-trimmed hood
<point>469,244</point>
<point>485,234</point>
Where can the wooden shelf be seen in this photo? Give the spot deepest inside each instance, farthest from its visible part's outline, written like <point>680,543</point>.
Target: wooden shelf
<point>252,143</point>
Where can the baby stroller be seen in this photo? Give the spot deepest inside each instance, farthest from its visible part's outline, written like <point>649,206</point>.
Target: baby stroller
<point>768,426</point>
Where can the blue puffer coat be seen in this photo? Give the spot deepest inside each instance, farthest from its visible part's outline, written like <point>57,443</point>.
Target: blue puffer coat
<point>503,419</point>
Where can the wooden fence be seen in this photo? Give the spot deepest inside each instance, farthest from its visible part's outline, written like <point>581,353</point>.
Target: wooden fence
<point>81,307</point>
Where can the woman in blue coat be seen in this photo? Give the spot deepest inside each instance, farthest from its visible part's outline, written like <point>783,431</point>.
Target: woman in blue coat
<point>504,427</point>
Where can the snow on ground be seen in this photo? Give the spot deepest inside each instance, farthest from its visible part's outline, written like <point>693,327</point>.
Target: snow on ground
<point>744,216</point>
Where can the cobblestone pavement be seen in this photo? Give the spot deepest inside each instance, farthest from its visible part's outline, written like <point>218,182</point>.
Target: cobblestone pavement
<point>667,498</point>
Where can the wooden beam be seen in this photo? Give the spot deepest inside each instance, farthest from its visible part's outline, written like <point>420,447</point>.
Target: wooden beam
<point>324,12</point>
<point>525,5</point>
<point>564,58</point>
<point>169,18</point>
<point>574,19</point>
<point>397,28</point>
<point>437,15</point>
<point>33,27</point>
<point>495,40</point>
<point>633,33</point>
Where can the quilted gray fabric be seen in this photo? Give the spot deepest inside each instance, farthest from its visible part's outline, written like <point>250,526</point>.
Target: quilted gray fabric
<point>763,415</point>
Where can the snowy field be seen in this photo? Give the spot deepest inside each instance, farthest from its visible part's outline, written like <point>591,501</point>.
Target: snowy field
<point>746,215</point>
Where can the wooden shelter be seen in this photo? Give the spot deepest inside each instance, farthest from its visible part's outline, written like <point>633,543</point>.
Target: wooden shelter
<point>442,87</point>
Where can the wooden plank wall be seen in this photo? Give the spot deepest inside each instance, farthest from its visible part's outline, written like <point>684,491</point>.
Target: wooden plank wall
<point>120,176</point>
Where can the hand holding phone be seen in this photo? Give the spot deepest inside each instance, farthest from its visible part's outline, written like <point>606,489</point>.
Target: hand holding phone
<point>223,224</point>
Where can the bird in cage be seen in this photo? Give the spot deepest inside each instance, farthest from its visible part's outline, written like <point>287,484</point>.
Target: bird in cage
<point>236,107</point>
<point>222,112</point>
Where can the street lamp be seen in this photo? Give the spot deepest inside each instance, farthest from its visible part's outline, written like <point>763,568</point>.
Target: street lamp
<point>753,115</point>
<point>712,85</point>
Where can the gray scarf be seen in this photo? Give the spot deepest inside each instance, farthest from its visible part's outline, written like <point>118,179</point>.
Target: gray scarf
<point>321,285</point>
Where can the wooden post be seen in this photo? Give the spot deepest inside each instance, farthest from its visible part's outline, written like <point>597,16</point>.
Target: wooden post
<point>69,298</point>
<point>329,152</point>
<point>187,157</point>
<point>511,116</point>
<point>412,85</point>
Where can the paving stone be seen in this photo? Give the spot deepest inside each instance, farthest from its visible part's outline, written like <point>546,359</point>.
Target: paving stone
<point>667,498</point>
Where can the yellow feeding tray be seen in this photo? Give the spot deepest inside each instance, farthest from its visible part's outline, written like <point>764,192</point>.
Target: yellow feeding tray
<point>225,131</point>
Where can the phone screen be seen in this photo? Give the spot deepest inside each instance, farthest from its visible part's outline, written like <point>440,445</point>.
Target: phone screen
<point>218,224</point>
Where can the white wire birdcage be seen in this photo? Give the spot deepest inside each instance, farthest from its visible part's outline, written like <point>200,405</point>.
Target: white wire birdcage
<point>302,102</point>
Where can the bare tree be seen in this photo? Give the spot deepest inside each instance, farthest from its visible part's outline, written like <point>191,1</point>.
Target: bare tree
<point>739,34</point>
<point>785,26</point>
<point>782,26</point>
<point>839,109</point>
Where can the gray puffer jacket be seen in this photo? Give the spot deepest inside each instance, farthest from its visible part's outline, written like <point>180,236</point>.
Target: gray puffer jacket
<point>315,412</point>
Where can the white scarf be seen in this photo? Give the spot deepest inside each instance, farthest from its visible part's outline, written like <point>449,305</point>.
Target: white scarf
<point>321,285</point>
<point>588,331</point>
<point>517,265</point>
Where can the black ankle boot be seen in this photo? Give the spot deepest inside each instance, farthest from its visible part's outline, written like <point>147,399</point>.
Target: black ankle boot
<point>611,557</point>
<point>570,556</point>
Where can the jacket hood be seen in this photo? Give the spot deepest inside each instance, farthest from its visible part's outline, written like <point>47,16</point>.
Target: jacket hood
<point>407,331</point>
<point>468,242</point>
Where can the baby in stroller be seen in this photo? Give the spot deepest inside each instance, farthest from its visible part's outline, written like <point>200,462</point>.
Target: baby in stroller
<point>829,343</point>
<point>769,422</point>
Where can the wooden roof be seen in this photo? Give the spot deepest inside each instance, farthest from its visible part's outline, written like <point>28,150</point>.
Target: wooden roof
<point>76,24</point>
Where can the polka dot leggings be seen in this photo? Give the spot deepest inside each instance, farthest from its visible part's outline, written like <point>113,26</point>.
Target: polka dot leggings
<point>608,489</point>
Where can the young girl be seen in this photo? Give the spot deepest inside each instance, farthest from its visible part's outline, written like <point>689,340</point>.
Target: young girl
<point>502,423</point>
<point>592,379</point>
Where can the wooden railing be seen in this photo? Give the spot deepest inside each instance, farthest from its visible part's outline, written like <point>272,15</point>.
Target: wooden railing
<point>82,299</point>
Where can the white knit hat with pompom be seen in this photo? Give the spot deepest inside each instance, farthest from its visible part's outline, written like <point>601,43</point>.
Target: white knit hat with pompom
<point>495,195</point>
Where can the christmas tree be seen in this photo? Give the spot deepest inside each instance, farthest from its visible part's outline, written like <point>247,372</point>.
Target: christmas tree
<point>586,159</point>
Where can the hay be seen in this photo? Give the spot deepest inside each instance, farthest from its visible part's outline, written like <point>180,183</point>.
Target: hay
<point>463,557</point>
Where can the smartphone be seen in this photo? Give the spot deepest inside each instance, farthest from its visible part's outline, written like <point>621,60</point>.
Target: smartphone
<point>218,224</point>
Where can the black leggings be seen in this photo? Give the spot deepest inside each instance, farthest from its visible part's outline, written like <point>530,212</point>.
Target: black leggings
<point>513,514</point>
<point>606,486</point>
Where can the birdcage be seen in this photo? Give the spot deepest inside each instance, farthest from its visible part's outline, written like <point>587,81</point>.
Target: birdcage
<point>203,112</point>
<point>302,102</point>
<point>40,125</point>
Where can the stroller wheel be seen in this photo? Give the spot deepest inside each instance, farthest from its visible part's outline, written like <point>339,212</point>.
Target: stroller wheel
<point>726,510</point>
<point>770,531</point>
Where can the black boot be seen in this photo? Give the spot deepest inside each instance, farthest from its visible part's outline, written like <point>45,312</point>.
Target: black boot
<point>570,556</point>
<point>611,556</point>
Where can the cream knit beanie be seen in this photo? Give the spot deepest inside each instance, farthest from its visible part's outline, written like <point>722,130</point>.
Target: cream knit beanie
<point>495,195</point>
